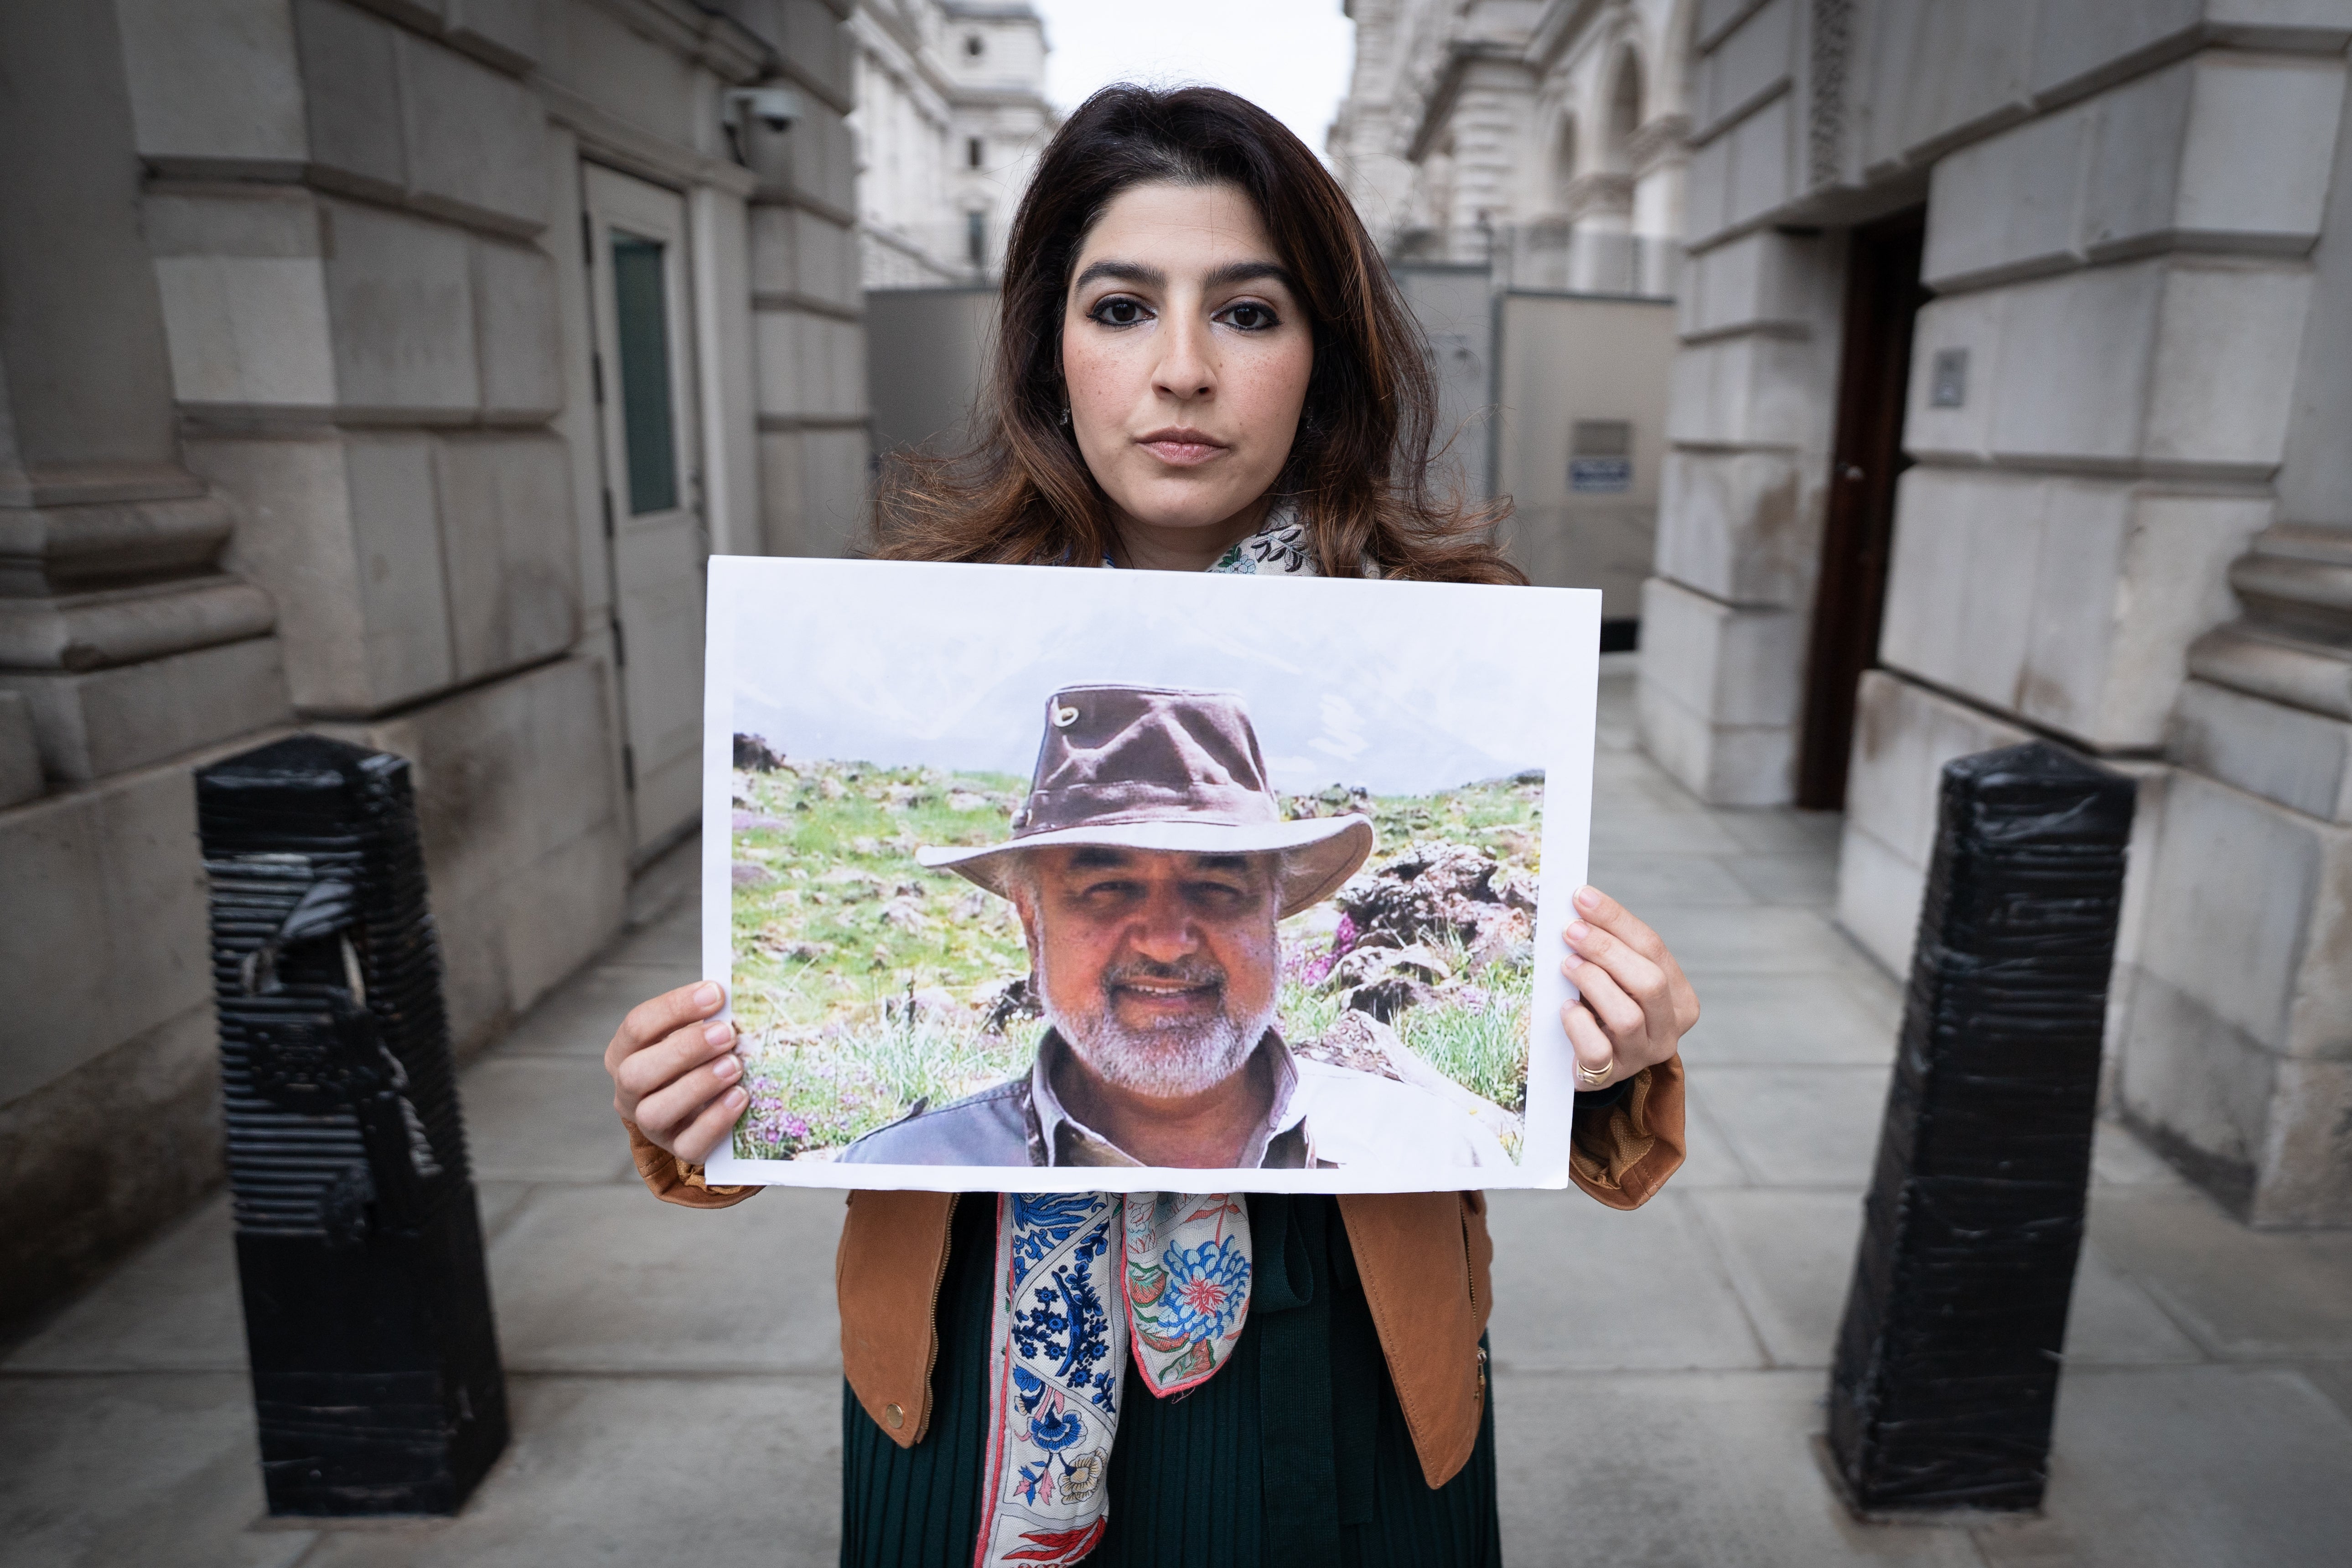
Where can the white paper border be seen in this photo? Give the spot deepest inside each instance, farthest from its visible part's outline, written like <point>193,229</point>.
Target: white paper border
<point>1570,644</point>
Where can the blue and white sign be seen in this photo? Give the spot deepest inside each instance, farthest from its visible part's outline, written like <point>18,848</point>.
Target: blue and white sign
<point>1600,475</point>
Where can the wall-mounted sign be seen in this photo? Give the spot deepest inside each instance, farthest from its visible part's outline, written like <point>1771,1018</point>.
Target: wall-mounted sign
<point>1948,378</point>
<point>1600,456</point>
<point>1603,475</point>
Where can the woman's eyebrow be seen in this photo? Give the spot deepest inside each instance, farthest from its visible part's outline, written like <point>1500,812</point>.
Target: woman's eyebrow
<point>1224,276</point>
<point>1234,272</point>
<point>1124,272</point>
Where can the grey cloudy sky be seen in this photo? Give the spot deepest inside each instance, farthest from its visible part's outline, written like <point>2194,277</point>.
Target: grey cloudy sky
<point>1402,687</point>
<point>1291,57</point>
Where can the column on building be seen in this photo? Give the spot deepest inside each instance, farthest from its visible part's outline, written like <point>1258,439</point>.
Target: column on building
<point>2239,1052</point>
<point>128,655</point>
<point>808,307</point>
<point>1724,620</point>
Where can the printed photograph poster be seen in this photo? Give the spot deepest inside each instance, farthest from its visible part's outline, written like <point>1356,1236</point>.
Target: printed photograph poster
<point>1024,879</point>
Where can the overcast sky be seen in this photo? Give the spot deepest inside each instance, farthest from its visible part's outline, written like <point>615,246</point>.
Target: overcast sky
<point>1291,57</point>
<point>1404,688</point>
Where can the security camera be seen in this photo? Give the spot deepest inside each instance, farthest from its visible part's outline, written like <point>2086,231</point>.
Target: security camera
<point>774,106</point>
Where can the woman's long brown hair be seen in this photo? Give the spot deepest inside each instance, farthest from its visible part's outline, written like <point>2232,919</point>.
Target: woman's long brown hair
<point>1361,464</point>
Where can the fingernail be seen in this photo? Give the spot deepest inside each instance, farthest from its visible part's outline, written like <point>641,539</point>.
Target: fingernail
<point>706,997</point>
<point>717,1034</point>
<point>1578,930</point>
<point>734,1099</point>
<point>1588,897</point>
<point>727,1068</point>
<point>1572,965</point>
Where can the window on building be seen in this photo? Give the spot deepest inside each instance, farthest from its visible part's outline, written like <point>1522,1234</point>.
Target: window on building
<point>975,238</point>
<point>641,312</point>
<point>975,45</point>
<point>972,151</point>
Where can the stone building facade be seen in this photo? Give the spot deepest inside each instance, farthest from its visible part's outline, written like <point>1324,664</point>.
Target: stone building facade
<point>1545,134</point>
<point>2123,519</point>
<point>385,369</point>
<point>2016,340</point>
<point>951,115</point>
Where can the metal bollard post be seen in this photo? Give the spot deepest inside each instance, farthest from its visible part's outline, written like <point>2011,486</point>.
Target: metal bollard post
<point>367,1313</point>
<point>1947,1374</point>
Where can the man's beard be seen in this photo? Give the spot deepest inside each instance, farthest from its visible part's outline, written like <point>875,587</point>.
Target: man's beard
<point>1171,1061</point>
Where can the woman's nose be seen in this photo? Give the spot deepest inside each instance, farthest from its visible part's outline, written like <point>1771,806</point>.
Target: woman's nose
<point>1185,370</point>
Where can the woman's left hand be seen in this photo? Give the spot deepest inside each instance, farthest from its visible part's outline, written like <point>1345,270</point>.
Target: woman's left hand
<point>1633,1006</point>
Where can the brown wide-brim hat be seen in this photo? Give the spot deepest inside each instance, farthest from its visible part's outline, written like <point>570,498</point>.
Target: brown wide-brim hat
<point>1161,768</point>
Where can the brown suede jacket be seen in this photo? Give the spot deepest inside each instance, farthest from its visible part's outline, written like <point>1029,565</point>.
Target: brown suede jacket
<point>1422,1256</point>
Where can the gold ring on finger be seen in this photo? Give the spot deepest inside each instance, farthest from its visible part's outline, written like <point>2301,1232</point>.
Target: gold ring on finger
<point>1595,1076</point>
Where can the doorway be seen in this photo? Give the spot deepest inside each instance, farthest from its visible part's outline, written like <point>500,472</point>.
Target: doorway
<point>648,433</point>
<point>1883,296</point>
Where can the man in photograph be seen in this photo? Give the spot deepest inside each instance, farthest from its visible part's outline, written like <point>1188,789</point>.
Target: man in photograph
<point>1150,865</point>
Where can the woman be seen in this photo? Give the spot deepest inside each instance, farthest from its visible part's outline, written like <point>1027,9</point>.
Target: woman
<point>1201,364</point>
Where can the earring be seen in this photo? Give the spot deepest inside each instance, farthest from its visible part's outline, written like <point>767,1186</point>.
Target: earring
<point>1065,415</point>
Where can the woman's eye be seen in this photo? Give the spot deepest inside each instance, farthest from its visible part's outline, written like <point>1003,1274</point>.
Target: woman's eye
<point>1115,312</point>
<point>1251,318</point>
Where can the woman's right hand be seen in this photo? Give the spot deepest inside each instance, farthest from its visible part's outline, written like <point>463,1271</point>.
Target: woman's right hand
<point>676,1078</point>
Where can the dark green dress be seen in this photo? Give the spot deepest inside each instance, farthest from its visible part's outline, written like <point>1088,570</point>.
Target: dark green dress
<point>1294,1454</point>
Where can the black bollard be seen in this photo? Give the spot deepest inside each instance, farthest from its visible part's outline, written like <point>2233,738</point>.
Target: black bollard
<point>367,1313</point>
<point>1946,1372</point>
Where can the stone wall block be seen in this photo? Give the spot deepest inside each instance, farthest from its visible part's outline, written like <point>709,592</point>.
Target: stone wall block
<point>505,32</point>
<point>1941,69</point>
<point>1763,281</point>
<point>476,139</point>
<point>1739,526</point>
<point>400,296</point>
<point>243,282</point>
<point>402,576</point>
<point>351,93</point>
<point>20,752</point>
<point>1755,56</point>
<point>1718,693</point>
<point>1707,192</point>
<point>2071,602</point>
<point>247,332</point>
<point>1961,579</point>
<point>2223,334</point>
<point>153,1104</point>
<point>505,512</point>
<point>2286,881</point>
<point>2305,1166</point>
<point>2069,378</point>
<point>2300,759</point>
<point>115,875</point>
<point>214,84</point>
<point>1745,391</point>
<point>91,724</point>
<point>2011,200</point>
<point>1974,324</point>
<point>1762,174</point>
<point>518,342</point>
<point>2274,114</point>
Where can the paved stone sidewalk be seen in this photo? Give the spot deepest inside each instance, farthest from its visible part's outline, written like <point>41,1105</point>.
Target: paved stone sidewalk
<point>675,1377</point>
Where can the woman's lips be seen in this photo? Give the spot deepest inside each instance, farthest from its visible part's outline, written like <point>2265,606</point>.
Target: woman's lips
<point>1181,449</point>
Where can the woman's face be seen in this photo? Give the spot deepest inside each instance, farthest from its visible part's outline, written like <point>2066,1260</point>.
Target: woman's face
<point>1186,355</point>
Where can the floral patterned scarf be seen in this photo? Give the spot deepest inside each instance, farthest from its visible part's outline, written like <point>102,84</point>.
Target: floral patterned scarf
<point>1088,1280</point>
